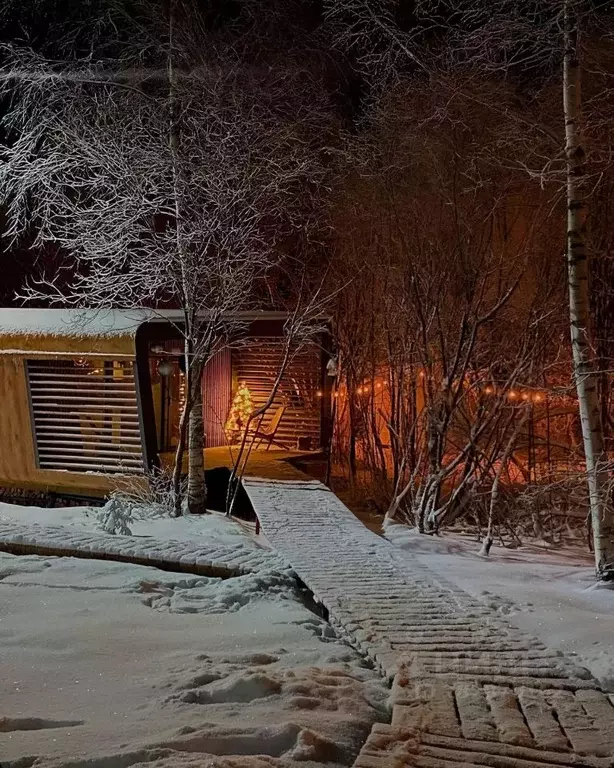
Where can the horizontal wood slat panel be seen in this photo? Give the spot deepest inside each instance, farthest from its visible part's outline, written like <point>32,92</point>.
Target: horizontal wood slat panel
<point>258,365</point>
<point>97,466</point>
<point>101,410</point>
<point>51,378</point>
<point>80,453</point>
<point>47,426</point>
<point>95,390</point>
<point>95,397</point>
<point>85,422</point>
<point>76,417</point>
<point>90,446</point>
<point>126,382</point>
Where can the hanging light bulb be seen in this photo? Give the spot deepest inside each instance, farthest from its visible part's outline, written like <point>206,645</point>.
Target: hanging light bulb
<point>165,368</point>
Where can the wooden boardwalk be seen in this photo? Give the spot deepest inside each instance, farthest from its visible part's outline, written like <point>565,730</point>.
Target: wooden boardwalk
<point>202,558</point>
<point>468,689</point>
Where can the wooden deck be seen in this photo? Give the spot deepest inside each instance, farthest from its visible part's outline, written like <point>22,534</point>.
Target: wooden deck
<point>269,465</point>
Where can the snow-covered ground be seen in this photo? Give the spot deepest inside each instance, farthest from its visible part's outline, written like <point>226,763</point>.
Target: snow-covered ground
<point>112,665</point>
<point>550,593</point>
<point>213,528</point>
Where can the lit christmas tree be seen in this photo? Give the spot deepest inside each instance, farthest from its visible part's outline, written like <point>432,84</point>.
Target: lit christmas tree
<point>240,411</point>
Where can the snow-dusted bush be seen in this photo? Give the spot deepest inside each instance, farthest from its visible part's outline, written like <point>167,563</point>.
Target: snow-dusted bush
<point>153,498</point>
<point>116,515</point>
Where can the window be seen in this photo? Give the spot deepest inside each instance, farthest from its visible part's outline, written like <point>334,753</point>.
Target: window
<point>85,415</point>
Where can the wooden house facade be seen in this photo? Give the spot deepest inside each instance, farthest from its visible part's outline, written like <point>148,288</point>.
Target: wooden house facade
<point>86,395</point>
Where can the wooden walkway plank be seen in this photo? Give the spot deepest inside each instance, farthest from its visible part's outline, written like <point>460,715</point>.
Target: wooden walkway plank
<point>459,669</point>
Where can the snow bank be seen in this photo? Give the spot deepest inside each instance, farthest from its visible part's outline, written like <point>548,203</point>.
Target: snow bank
<point>213,528</point>
<point>111,665</point>
<point>550,593</point>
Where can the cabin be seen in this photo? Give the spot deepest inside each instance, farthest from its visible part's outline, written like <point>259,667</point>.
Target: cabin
<point>87,395</point>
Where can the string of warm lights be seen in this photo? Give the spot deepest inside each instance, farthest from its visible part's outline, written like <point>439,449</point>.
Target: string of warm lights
<point>522,395</point>
<point>366,388</point>
<point>535,397</point>
<point>181,391</point>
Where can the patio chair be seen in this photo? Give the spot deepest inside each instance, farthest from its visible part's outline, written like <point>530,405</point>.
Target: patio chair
<point>267,433</point>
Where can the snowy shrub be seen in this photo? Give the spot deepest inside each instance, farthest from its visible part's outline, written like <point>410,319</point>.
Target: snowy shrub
<point>154,498</point>
<point>116,515</point>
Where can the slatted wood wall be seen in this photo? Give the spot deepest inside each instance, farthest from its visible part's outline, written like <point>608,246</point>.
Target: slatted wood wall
<point>217,393</point>
<point>257,364</point>
<point>85,415</point>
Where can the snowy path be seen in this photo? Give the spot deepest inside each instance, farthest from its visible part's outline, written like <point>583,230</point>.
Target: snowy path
<point>468,688</point>
<point>217,560</point>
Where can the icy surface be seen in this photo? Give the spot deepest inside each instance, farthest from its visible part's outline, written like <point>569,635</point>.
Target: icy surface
<point>550,593</point>
<point>112,665</point>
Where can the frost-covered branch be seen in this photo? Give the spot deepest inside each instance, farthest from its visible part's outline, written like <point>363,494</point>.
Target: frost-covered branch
<point>170,182</point>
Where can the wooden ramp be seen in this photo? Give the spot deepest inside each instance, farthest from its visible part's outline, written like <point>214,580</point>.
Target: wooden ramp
<point>468,689</point>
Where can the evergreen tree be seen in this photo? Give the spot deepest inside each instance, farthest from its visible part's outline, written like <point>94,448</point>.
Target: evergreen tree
<point>240,411</point>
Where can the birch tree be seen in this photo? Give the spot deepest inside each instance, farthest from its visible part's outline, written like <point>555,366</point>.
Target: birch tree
<point>602,517</point>
<point>165,175</point>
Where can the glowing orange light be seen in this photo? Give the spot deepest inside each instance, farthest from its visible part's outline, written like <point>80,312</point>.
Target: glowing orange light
<point>379,386</point>
<point>359,390</point>
<point>525,396</point>
<point>537,398</point>
<point>512,395</point>
<point>488,390</point>
<point>319,393</point>
<point>421,374</point>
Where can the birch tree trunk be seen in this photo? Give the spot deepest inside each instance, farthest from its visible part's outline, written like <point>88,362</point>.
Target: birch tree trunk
<point>173,143</point>
<point>579,307</point>
<point>197,490</point>
<point>191,423</point>
<point>179,453</point>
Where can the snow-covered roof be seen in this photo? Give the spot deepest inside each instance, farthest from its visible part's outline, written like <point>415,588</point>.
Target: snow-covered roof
<point>99,332</point>
<point>81,323</point>
<point>88,323</point>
